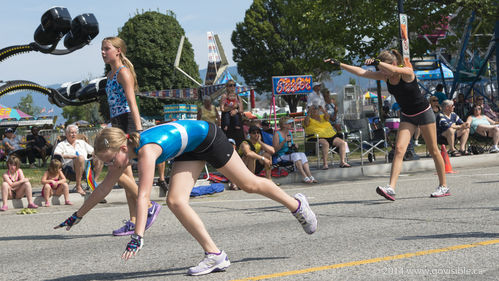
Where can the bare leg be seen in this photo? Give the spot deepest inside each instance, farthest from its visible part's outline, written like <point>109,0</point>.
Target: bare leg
<point>324,151</point>
<point>46,193</point>
<point>79,166</point>
<point>236,172</point>
<point>404,135</point>
<point>429,133</point>
<point>184,176</point>
<point>341,145</point>
<point>299,166</point>
<point>306,168</point>
<point>127,181</point>
<point>449,134</point>
<point>5,193</point>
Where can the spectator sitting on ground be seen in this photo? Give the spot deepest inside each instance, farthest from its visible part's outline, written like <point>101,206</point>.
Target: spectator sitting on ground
<point>484,126</point>
<point>462,107</point>
<point>439,93</point>
<point>12,145</point>
<point>54,183</point>
<point>15,185</point>
<point>316,97</point>
<point>486,109</point>
<point>287,150</point>
<point>74,152</point>
<point>38,145</point>
<point>256,154</point>
<point>452,128</point>
<point>316,124</point>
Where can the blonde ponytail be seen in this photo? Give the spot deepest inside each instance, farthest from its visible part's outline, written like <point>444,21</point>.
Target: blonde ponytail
<point>120,44</point>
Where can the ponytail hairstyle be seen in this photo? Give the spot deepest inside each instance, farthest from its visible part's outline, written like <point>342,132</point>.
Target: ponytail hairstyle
<point>390,56</point>
<point>118,43</point>
<point>112,138</point>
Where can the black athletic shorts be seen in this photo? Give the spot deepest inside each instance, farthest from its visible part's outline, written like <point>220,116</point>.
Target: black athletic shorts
<point>215,149</point>
<point>427,117</point>
<point>125,122</point>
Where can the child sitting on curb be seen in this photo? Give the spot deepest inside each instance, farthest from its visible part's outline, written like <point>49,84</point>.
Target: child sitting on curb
<point>54,183</point>
<point>15,185</point>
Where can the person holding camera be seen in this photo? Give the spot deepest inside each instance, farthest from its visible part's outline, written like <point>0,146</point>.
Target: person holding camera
<point>317,125</point>
<point>256,154</point>
<point>287,150</point>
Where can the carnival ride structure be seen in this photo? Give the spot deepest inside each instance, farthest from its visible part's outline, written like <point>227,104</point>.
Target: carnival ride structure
<point>56,24</point>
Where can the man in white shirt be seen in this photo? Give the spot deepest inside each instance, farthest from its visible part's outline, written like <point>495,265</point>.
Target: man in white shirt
<point>315,97</point>
<point>74,152</point>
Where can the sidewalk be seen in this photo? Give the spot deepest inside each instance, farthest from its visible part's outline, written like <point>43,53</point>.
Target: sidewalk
<point>378,168</point>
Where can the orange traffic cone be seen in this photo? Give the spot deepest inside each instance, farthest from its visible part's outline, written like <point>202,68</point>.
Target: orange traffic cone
<point>445,156</point>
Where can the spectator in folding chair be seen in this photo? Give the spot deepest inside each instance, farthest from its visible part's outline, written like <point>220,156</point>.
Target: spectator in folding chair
<point>484,126</point>
<point>73,153</point>
<point>451,128</point>
<point>462,107</point>
<point>12,145</point>
<point>287,150</point>
<point>256,154</point>
<point>317,125</point>
<point>332,110</point>
<point>486,109</point>
<point>38,145</point>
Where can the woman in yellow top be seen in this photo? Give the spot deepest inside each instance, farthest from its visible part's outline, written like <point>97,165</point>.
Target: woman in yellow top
<point>316,124</point>
<point>208,112</point>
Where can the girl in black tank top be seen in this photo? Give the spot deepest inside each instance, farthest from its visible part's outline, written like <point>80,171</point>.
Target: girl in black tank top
<point>408,96</point>
<point>415,112</point>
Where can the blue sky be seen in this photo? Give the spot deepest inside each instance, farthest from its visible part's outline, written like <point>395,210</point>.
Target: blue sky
<point>20,19</point>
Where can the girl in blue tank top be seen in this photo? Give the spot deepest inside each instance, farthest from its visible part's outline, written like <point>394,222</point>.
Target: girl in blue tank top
<point>190,143</point>
<point>415,112</point>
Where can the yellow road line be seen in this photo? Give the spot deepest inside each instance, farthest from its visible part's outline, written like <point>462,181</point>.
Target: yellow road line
<point>360,262</point>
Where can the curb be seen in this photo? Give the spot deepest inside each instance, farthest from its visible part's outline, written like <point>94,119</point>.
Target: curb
<point>117,195</point>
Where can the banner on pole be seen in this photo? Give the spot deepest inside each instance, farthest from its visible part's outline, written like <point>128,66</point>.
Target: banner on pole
<point>291,85</point>
<point>404,32</point>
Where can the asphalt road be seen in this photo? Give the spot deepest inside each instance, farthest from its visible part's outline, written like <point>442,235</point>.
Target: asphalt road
<point>360,236</point>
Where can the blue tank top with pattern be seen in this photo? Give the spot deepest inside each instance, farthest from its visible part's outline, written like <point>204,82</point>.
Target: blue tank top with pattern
<point>116,96</point>
<point>175,138</point>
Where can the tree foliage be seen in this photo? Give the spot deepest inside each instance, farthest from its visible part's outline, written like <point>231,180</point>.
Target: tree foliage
<point>275,39</point>
<point>90,114</point>
<point>27,106</point>
<point>152,40</point>
<point>280,37</point>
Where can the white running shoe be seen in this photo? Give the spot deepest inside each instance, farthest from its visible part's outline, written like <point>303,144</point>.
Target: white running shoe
<point>441,192</point>
<point>494,149</point>
<point>386,191</point>
<point>210,263</point>
<point>305,215</point>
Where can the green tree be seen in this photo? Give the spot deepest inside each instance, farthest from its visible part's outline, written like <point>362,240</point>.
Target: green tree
<point>27,106</point>
<point>90,113</point>
<point>277,38</point>
<point>152,40</point>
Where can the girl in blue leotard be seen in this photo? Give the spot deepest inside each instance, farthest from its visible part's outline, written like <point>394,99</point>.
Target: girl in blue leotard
<point>190,143</point>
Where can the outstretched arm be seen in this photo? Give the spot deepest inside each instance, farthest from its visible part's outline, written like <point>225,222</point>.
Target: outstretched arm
<point>357,70</point>
<point>99,193</point>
